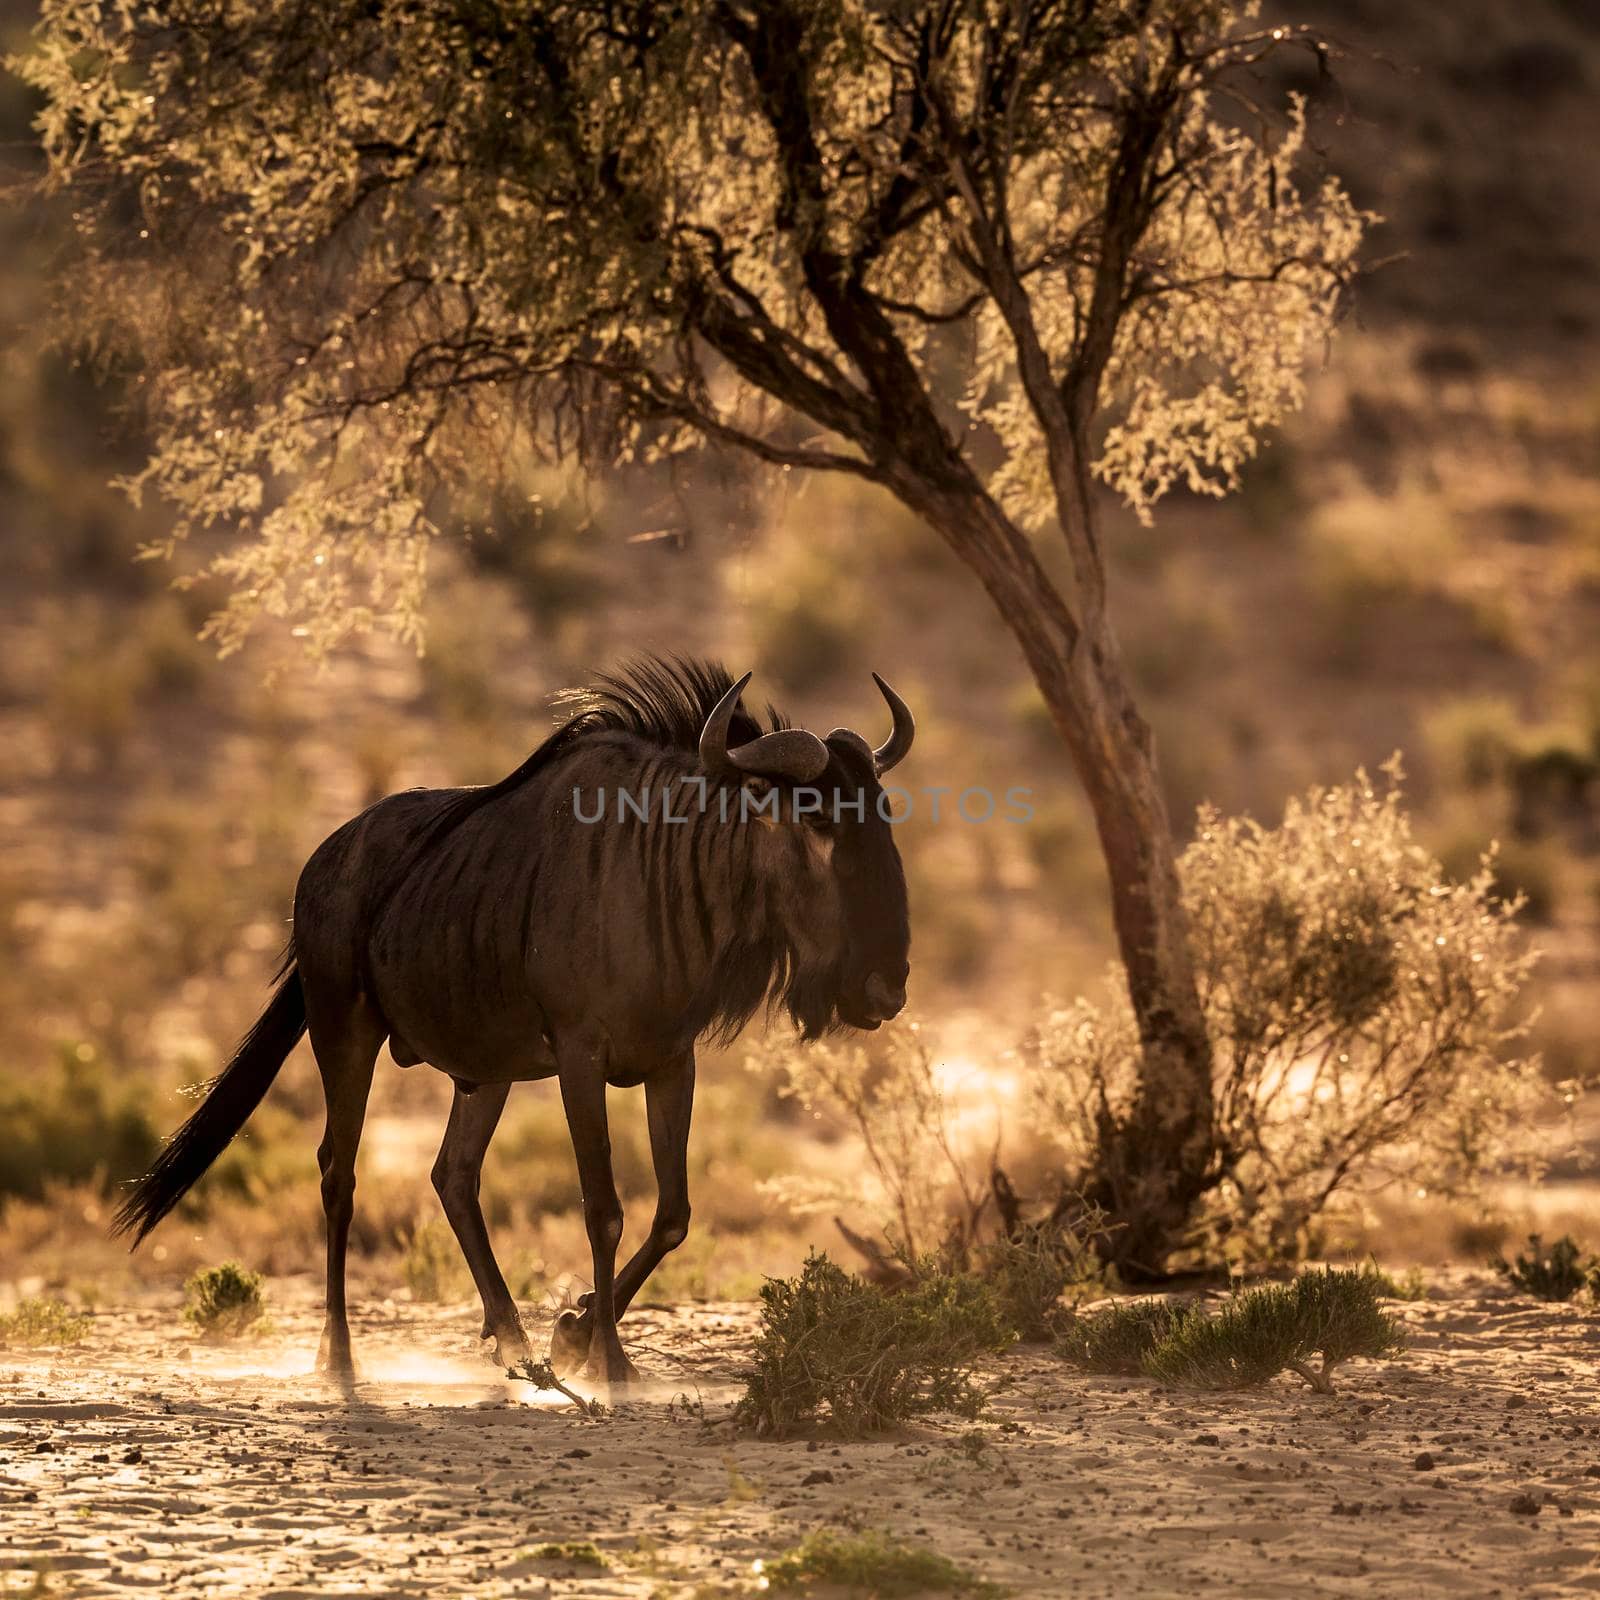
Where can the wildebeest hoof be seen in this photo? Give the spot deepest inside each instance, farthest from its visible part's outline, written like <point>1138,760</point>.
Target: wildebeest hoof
<point>569,1342</point>
<point>511,1347</point>
<point>336,1363</point>
<point>615,1371</point>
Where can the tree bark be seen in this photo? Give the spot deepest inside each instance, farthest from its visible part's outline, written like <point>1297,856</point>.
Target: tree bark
<point>1151,1166</point>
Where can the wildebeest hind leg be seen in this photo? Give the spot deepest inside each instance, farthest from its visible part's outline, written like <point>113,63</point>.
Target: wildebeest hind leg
<point>456,1175</point>
<point>345,1038</point>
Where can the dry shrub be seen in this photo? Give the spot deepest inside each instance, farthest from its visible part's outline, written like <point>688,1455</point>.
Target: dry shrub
<point>915,1179</point>
<point>1032,1270</point>
<point>1360,1009</point>
<point>837,1351</point>
<point>75,1120</point>
<point>918,1179</point>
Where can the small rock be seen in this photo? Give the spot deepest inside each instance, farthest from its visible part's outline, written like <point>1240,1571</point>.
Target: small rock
<point>1524,1505</point>
<point>1515,1402</point>
<point>821,1475</point>
<point>577,1454</point>
<point>132,1456</point>
<point>1592,1472</point>
<point>1424,1462</point>
<point>44,1448</point>
<point>1207,1438</point>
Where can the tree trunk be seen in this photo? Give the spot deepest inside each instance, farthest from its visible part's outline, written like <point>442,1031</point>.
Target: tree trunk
<point>1151,1167</point>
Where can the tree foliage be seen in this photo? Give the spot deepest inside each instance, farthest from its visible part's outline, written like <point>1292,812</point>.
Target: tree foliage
<point>984,245</point>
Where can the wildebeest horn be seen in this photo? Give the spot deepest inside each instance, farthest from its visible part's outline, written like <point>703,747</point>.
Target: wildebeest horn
<point>898,745</point>
<point>788,753</point>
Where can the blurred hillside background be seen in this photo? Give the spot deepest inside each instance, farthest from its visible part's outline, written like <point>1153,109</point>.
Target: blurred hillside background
<point>1414,565</point>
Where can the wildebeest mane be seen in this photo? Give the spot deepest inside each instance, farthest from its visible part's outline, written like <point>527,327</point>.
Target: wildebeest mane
<point>663,700</point>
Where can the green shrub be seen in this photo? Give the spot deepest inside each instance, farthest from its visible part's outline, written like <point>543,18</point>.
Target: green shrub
<point>1340,1320</point>
<point>225,1302</point>
<point>1251,1338</point>
<point>575,1552</point>
<point>869,1564</point>
<point>1116,1340</point>
<point>1247,1341</point>
<point>835,1350</point>
<point>432,1264</point>
<point>69,1122</point>
<point>42,1322</point>
<point>1410,1285</point>
<point>1030,1273</point>
<point>1554,1274</point>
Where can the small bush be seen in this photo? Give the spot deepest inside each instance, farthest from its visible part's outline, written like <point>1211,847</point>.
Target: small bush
<point>869,1563</point>
<point>1410,1285</point>
<point>225,1302</point>
<point>36,1323</point>
<point>1339,1319</point>
<point>575,1552</point>
<point>1115,1341</point>
<point>1554,1274</point>
<point>833,1349</point>
<point>432,1264</point>
<point>1358,1004</point>
<point>1029,1274</point>
<point>1247,1341</point>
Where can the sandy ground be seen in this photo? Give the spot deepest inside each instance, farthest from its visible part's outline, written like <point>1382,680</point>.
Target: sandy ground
<point>144,1462</point>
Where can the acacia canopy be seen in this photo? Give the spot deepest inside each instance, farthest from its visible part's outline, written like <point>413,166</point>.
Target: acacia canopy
<point>354,242</point>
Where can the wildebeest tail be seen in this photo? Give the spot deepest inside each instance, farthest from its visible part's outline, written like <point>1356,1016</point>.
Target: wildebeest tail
<point>230,1099</point>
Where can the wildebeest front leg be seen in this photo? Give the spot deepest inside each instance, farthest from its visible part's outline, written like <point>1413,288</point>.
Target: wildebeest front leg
<point>669,1100</point>
<point>583,1095</point>
<point>456,1175</point>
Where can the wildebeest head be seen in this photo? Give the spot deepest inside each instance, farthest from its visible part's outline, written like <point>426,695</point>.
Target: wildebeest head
<point>826,846</point>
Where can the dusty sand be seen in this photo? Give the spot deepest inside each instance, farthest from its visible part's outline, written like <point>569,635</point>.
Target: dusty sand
<point>143,1461</point>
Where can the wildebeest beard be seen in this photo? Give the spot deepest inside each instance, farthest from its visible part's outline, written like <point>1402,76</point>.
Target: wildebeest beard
<point>768,972</point>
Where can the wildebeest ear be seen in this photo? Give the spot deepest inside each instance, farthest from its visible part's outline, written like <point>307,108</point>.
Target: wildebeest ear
<point>855,744</point>
<point>894,749</point>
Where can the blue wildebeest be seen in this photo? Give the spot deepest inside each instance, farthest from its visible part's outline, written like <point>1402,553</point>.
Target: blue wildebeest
<point>660,867</point>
